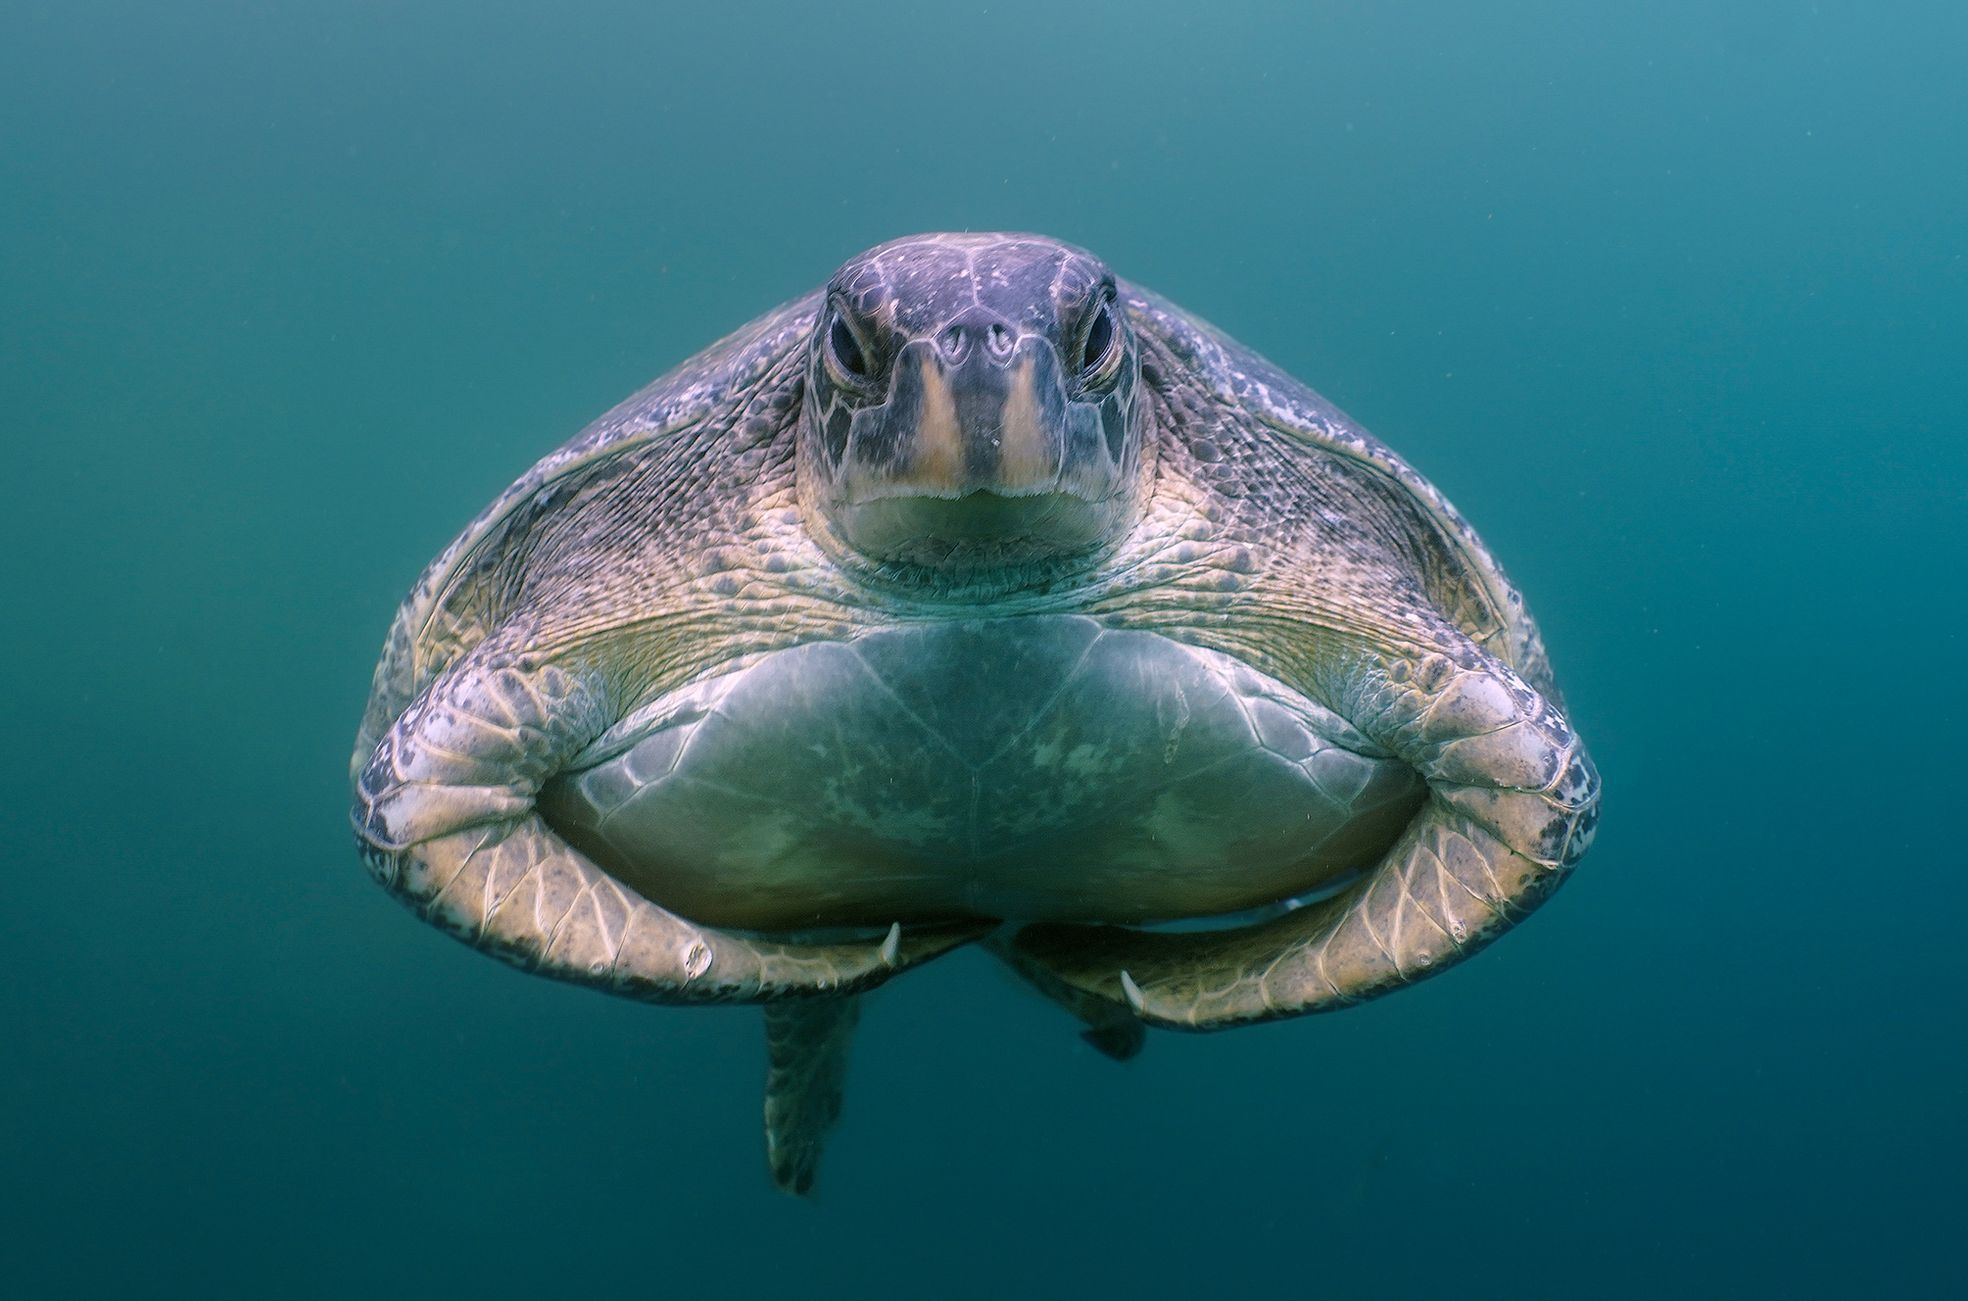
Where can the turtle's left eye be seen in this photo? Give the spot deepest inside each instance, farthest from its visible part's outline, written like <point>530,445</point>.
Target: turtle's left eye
<point>1099,340</point>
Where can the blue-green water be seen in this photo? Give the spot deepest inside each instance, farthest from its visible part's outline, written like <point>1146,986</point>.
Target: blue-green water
<point>1670,298</point>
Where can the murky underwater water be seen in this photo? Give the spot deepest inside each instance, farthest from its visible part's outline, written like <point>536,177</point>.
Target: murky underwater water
<point>1668,300</point>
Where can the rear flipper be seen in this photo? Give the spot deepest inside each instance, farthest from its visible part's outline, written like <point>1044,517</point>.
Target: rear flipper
<point>806,1042</point>
<point>1110,1027</point>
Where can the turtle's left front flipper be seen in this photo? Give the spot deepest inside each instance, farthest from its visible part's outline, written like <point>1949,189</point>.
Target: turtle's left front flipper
<point>806,1043</point>
<point>1512,803</point>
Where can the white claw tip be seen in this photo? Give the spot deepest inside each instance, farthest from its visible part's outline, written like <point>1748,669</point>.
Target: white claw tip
<point>1132,991</point>
<point>891,949</point>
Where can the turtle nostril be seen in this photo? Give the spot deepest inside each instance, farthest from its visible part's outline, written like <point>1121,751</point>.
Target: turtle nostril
<point>974,330</point>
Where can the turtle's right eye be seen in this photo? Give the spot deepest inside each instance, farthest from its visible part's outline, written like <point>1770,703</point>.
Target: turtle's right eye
<point>845,351</point>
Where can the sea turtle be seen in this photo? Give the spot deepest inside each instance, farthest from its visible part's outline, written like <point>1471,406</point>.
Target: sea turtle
<point>975,595</point>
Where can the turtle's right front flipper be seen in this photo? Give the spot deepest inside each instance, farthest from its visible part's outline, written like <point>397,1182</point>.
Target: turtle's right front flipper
<point>445,816</point>
<point>1513,801</point>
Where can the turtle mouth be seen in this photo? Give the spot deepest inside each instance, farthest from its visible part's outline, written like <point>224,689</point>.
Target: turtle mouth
<point>977,529</point>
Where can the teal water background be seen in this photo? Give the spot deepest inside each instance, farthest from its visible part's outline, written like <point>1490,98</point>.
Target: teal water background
<point>1670,298</point>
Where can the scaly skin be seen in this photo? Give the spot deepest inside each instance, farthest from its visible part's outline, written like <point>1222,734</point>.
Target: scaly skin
<point>673,538</point>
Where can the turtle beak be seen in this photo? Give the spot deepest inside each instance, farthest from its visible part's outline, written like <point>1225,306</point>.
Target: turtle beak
<point>975,409</point>
<point>978,457</point>
<point>962,466</point>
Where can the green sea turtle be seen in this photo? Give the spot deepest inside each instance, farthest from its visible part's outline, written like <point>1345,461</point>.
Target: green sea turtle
<point>976,595</point>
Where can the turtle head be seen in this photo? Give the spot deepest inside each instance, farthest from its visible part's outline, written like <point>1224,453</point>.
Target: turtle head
<point>970,405</point>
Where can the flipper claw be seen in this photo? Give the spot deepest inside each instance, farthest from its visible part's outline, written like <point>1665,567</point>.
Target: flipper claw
<point>1133,993</point>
